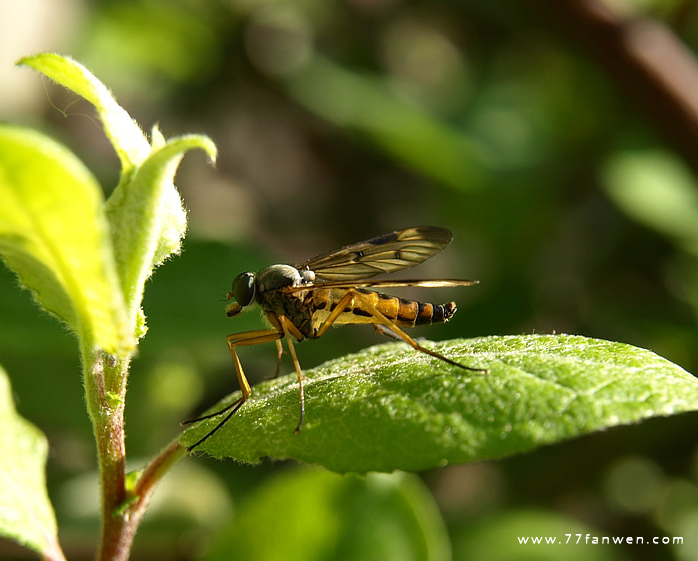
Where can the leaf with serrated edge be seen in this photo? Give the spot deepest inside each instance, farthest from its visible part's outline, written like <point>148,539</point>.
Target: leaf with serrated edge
<point>389,408</point>
<point>26,515</point>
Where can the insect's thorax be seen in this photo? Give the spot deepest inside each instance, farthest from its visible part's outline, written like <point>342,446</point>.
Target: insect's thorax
<point>274,300</point>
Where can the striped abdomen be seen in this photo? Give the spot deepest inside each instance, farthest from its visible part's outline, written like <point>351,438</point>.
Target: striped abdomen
<point>405,313</point>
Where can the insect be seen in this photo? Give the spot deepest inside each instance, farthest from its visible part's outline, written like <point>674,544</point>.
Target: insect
<point>303,301</point>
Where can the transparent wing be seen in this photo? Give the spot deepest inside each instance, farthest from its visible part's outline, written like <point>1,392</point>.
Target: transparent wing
<point>425,283</point>
<point>390,252</point>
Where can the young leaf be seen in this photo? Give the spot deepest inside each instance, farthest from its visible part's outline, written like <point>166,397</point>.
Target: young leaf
<point>390,408</point>
<point>145,212</point>
<point>26,515</point>
<point>54,235</point>
<point>146,215</point>
<point>128,140</point>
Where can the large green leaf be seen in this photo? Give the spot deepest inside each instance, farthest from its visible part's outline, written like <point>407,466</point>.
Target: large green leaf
<point>54,235</point>
<point>311,515</point>
<point>389,407</point>
<point>26,515</point>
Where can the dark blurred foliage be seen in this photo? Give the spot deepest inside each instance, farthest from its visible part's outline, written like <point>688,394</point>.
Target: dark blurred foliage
<point>542,135</point>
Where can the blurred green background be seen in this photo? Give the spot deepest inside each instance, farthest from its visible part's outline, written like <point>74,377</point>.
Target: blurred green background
<point>556,140</point>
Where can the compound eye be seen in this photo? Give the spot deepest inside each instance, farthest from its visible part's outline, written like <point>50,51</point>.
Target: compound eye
<point>243,288</point>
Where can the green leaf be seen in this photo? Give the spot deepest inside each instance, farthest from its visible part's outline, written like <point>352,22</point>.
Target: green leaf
<point>311,515</point>
<point>54,235</point>
<point>146,214</point>
<point>401,128</point>
<point>26,515</point>
<point>501,537</point>
<point>657,189</point>
<point>389,407</point>
<point>128,140</point>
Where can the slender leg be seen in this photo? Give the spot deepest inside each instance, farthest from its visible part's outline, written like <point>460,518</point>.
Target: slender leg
<point>290,329</point>
<point>384,325</point>
<point>247,338</point>
<point>279,353</point>
<point>338,309</point>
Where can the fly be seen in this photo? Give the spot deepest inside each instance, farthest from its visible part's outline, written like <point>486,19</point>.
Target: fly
<point>303,301</point>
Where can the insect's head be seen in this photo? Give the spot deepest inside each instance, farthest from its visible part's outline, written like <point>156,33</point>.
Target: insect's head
<point>243,291</point>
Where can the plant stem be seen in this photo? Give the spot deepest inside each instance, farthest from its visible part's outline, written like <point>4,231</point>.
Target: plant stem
<point>151,475</point>
<point>122,510</point>
<point>105,387</point>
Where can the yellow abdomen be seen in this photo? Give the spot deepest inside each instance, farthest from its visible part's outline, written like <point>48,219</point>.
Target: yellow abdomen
<point>365,303</point>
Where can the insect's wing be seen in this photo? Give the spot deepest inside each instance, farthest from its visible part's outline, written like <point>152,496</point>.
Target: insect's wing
<point>424,283</point>
<point>390,252</point>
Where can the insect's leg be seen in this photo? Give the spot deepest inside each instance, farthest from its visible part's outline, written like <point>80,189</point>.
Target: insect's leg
<point>235,406</point>
<point>390,328</point>
<point>244,388</point>
<point>279,353</point>
<point>338,309</point>
<point>385,330</point>
<point>385,325</point>
<point>247,338</point>
<point>290,329</point>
